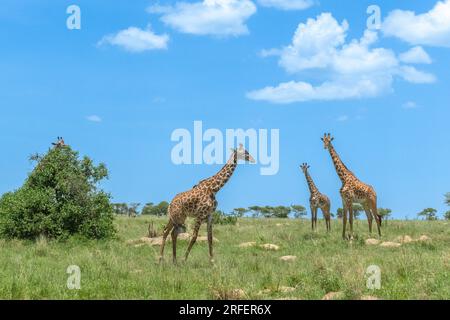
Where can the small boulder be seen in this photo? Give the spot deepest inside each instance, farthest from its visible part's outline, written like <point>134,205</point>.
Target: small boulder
<point>334,296</point>
<point>270,246</point>
<point>286,289</point>
<point>288,258</point>
<point>247,244</point>
<point>424,238</point>
<point>369,298</point>
<point>388,244</point>
<point>372,242</point>
<point>404,239</point>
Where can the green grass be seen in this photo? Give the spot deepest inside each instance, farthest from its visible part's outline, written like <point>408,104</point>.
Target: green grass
<point>116,270</point>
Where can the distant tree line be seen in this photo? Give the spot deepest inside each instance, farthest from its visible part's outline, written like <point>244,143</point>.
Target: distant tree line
<point>295,210</point>
<point>132,209</point>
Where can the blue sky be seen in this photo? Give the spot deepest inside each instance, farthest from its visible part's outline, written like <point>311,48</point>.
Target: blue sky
<point>116,94</point>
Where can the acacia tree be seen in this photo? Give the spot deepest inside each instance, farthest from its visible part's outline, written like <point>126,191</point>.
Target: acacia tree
<point>429,214</point>
<point>240,212</point>
<point>385,213</point>
<point>299,210</point>
<point>447,215</point>
<point>59,198</point>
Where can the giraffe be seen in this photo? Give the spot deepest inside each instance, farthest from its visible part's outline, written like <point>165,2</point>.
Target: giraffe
<point>353,191</point>
<point>199,203</point>
<point>317,200</point>
<point>59,142</point>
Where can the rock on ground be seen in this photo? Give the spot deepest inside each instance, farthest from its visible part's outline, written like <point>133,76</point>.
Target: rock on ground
<point>247,244</point>
<point>369,298</point>
<point>372,241</point>
<point>388,244</point>
<point>270,246</point>
<point>424,238</point>
<point>404,239</point>
<point>234,294</point>
<point>286,289</point>
<point>334,296</point>
<point>288,258</point>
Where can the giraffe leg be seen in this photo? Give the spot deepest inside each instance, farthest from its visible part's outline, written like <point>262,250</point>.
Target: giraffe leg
<point>374,209</point>
<point>198,223</point>
<point>167,229</point>
<point>350,218</point>
<point>312,217</point>
<point>326,216</point>
<point>315,218</point>
<point>210,238</point>
<point>369,217</point>
<point>174,244</point>
<point>344,220</point>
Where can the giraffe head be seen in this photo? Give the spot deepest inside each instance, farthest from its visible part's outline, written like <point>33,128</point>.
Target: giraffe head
<point>304,167</point>
<point>59,142</point>
<point>243,154</point>
<point>327,138</point>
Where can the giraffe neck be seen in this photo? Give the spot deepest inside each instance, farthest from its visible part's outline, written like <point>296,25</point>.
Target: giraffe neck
<point>221,178</point>
<point>311,185</point>
<point>340,167</point>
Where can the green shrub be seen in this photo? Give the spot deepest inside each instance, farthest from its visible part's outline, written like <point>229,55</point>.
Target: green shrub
<point>59,198</point>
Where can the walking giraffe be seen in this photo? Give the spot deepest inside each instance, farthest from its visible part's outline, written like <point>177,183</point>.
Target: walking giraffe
<point>353,191</point>
<point>199,203</point>
<point>317,200</point>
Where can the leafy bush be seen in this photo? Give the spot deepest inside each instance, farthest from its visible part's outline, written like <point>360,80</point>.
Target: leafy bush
<point>219,217</point>
<point>59,198</point>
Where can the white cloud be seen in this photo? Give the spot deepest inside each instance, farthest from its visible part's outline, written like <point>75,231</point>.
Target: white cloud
<point>209,17</point>
<point>94,118</point>
<point>287,4</point>
<point>413,75</point>
<point>136,40</point>
<point>353,68</point>
<point>409,105</point>
<point>431,28</point>
<point>415,55</point>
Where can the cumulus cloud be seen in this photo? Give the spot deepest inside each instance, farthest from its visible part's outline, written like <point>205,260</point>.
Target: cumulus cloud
<point>415,55</point>
<point>94,118</point>
<point>353,68</point>
<point>136,40</point>
<point>287,4</point>
<point>431,28</point>
<point>208,17</point>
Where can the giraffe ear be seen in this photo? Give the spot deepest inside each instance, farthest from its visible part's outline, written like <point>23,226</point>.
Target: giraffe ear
<point>321,139</point>
<point>332,139</point>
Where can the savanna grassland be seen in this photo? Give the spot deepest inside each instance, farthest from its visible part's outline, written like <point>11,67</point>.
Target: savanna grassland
<point>116,269</point>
